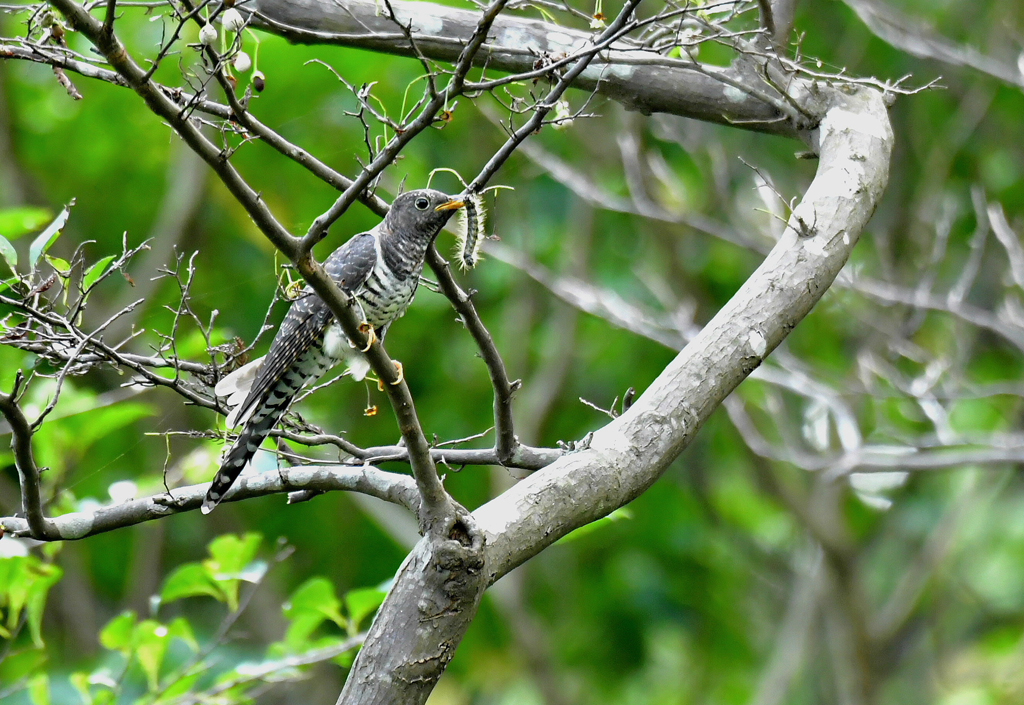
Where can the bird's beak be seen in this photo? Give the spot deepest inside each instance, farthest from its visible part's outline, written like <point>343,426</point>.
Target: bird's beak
<point>452,205</point>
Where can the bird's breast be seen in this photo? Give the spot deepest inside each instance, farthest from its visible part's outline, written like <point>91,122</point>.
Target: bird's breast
<point>385,296</point>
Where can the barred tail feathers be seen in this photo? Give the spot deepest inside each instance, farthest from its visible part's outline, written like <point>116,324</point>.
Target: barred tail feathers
<point>245,447</point>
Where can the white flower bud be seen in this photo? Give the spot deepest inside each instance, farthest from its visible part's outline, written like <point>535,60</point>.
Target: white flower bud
<point>232,20</point>
<point>207,35</point>
<point>242,62</point>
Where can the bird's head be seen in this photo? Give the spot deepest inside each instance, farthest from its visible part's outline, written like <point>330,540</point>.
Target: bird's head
<point>421,214</point>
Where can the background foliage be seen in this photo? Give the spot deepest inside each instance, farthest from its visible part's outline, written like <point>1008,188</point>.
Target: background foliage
<point>681,600</point>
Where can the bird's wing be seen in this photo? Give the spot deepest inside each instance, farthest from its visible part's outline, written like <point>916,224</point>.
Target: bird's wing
<point>303,326</point>
<point>350,265</point>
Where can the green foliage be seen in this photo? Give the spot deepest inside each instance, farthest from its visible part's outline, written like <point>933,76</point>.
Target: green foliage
<point>163,661</point>
<point>44,241</point>
<point>25,581</point>
<point>231,562</point>
<point>679,604</point>
<point>15,222</point>
<point>618,515</point>
<point>314,602</point>
<point>9,254</point>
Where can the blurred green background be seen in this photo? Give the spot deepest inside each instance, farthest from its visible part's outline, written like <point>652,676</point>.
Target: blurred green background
<point>683,601</point>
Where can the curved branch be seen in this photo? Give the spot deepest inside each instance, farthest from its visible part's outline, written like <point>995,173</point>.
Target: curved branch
<point>392,487</point>
<point>506,444</point>
<point>31,504</point>
<point>624,458</point>
<point>515,44</point>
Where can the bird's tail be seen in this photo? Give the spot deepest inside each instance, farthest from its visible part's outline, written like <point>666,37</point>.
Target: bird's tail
<point>249,440</point>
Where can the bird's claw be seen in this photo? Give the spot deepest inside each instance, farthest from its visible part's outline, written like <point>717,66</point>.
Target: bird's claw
<point>576,446</point>
<point>401,376</point>
<point>371,335</point>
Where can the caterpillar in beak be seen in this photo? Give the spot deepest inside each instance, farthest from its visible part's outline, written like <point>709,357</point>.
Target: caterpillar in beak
<point>469,228</point>
<point>470,220</point>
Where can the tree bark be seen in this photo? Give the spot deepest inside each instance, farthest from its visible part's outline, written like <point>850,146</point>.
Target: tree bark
<point>516,44</point>
<point>438,589</point>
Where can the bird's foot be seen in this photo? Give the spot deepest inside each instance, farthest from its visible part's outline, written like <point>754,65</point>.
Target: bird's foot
<point>401,376</point>
<point>576,446</point>
<point>371,335</point>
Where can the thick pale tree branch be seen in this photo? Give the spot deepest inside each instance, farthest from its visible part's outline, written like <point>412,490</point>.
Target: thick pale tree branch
<point>916,37</point>
<point>624,458</point>
<point>438,588</point>
<point>640,80</point>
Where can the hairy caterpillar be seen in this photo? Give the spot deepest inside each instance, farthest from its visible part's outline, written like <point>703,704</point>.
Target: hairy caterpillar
<point>469,229</point>
<point>469,223</point>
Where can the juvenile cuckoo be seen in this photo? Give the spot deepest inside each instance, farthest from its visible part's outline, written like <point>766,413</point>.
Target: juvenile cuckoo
<point>380,269</point>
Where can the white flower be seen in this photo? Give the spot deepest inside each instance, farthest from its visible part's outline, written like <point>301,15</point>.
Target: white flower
<point>242,62</point>
<point>232,20</point>
<point>208,35</point>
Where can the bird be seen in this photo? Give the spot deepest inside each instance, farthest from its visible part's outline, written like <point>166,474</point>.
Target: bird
<point>380,269</point>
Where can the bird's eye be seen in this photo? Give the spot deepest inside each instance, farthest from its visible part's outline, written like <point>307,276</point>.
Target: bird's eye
<point>422,203</point>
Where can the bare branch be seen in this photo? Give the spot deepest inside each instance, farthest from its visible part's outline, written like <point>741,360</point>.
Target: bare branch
<point>506,444</point>
<point>392,487</point>
<point>913,36</point>
<point>657,84</point>
<point>36,525</point>
<point>628,455</point>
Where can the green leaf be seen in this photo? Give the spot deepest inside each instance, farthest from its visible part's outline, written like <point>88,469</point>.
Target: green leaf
<point>7,284</point>
<point>151,640</point>
<point>15,582</point>
<point>181,629</point>
<point>179,687</point>
<point>105,697</point>
<point>618,515</point>
<point>229,554</point>
<point>62,266</point>
<point>19,664</point>
<point>84,682</point>
<point>15,222</point>
<point>45,239</point>
<point>315,596</point>
<point>102,680</point>
<point>190,580</point>
<point>80,682</point>
<point>8,252</point>
<point>103,421</point>
<point>361,604</point>
<point>345,658</point>
<point>96,271</point>
<point>39,689</point>
<point>119,632</point>
<point>46,576</point>
<point>229,557</point>
<point>310,605</point>
<point>301,629</point>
